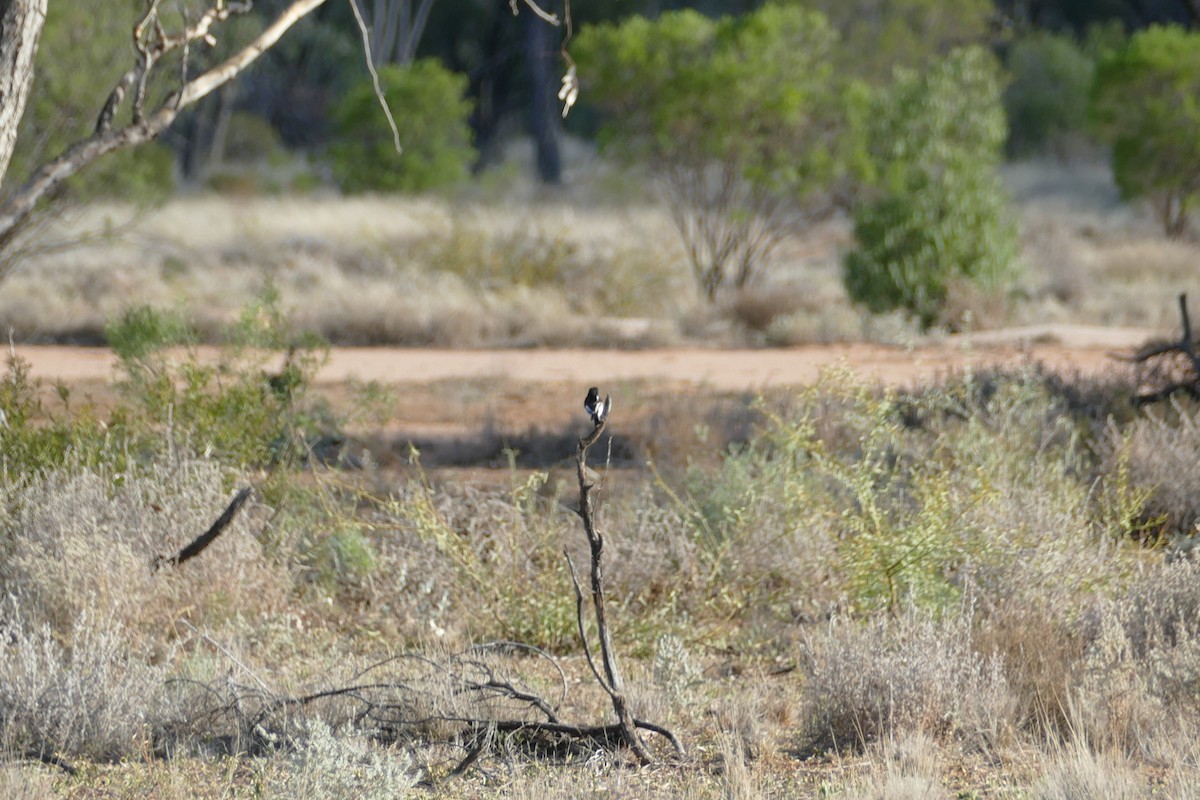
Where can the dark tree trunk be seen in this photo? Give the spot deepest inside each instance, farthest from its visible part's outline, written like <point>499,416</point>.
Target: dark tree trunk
<point>20,27</point>
<point>541,53</point>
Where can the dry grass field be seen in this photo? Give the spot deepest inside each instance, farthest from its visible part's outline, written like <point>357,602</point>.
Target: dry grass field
<point>973,585</point>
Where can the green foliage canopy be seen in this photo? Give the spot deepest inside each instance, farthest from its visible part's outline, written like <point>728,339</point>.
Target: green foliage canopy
<point>431,115</point>
<point>940,212</point>
<point>738,116</point>
<point>1146,102</point>
<point>880,35</point>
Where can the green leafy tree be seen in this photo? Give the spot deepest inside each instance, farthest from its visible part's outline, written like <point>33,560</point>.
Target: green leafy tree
<point>939,214</point>
<point>1047,98</point>
<point>738,118</point>
<point>433,129</point>
<point>1146,102</point>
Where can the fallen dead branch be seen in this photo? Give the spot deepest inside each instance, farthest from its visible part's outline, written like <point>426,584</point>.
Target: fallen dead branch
<point>198,545</point>
<point>471,701</point>
<point>1168,367</point>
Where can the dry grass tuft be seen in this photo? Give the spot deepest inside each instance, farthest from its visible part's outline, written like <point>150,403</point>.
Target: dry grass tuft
<point>889,678</point>
<point>97,697</point>
<point>80,539</point>
<point>1077,772</point>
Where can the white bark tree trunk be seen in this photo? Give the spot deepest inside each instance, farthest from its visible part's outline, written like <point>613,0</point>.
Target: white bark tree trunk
<point>21,203</point>
<point>20,27</point>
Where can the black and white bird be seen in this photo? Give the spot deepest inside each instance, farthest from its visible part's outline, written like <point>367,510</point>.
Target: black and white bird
<point>596,408</point>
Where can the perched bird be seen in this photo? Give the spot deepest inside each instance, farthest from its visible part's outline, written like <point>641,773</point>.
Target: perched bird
<point>596,408</point>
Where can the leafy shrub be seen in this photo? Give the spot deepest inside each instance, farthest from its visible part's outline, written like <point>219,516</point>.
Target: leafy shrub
<point>1144,103</point>
<point>234,406</point>
<point>251,138</point>
<point>940,213</point>
<point>1046,100</point>
<point>431,116</point>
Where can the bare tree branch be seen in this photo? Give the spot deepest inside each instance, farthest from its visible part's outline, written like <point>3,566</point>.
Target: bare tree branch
<point>198,545</point>
<point>1170,366</point>
<point>20,28</point>
<point>366,40</point>
<point>152,42</point>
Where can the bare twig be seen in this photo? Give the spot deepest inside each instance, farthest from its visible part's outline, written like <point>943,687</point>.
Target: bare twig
<point>366,41</point>
<point>198,545</point>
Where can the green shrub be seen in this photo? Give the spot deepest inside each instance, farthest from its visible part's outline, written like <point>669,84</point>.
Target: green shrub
<point>1046,100</point>
<point>940,214</point>
<point>233,406</point>
<point>1144,103</point>
<point>428,103</point>
<point>251,138</point>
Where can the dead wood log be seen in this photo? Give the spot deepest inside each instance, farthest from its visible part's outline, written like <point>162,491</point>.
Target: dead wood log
<point>198,545</point>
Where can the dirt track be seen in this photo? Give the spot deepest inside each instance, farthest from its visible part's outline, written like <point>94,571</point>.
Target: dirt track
<point>1086,349</point>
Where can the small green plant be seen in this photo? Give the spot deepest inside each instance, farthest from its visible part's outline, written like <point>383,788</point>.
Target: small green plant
<point>237,406</point>
<point>939,214</point>
<point>431,116</point>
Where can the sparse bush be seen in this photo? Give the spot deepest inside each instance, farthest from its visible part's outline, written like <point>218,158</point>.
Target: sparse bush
<point>889,678</point>
<point>80,538</point>
<point>737,117</point>
<point>251,138</point>
<point>1158,458</point>
<point>344,765</point>
<point>235,407</point>
<point>940,213</point>
<point>95,696</point>
<point>431,116</point>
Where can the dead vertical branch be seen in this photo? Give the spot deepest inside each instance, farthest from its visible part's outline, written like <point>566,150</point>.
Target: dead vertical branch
<point>1160,363</point>
<point>611,680</point>
<point>198,545</point>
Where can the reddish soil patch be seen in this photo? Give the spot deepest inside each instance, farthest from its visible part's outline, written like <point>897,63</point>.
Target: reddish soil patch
<point>464,407</point>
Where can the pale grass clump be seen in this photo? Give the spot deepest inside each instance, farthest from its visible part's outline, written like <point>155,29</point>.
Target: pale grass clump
<point>97,697</point>
<point>1142,665</point>
<point>904,767</point>
<point>342,765</point>
<point>1076,771</point>
<point>81,538</point>
<point>24,782</point>
<point>1159,457</point>
<point>891,677</point>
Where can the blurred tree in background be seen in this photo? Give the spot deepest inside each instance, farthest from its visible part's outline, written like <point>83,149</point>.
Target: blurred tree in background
<point>1146,102</point>
<point>433,129</point>
<point>1047,95</point>
<point>879,36</point>
<point>737,117</point>
<point>940,213</point>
